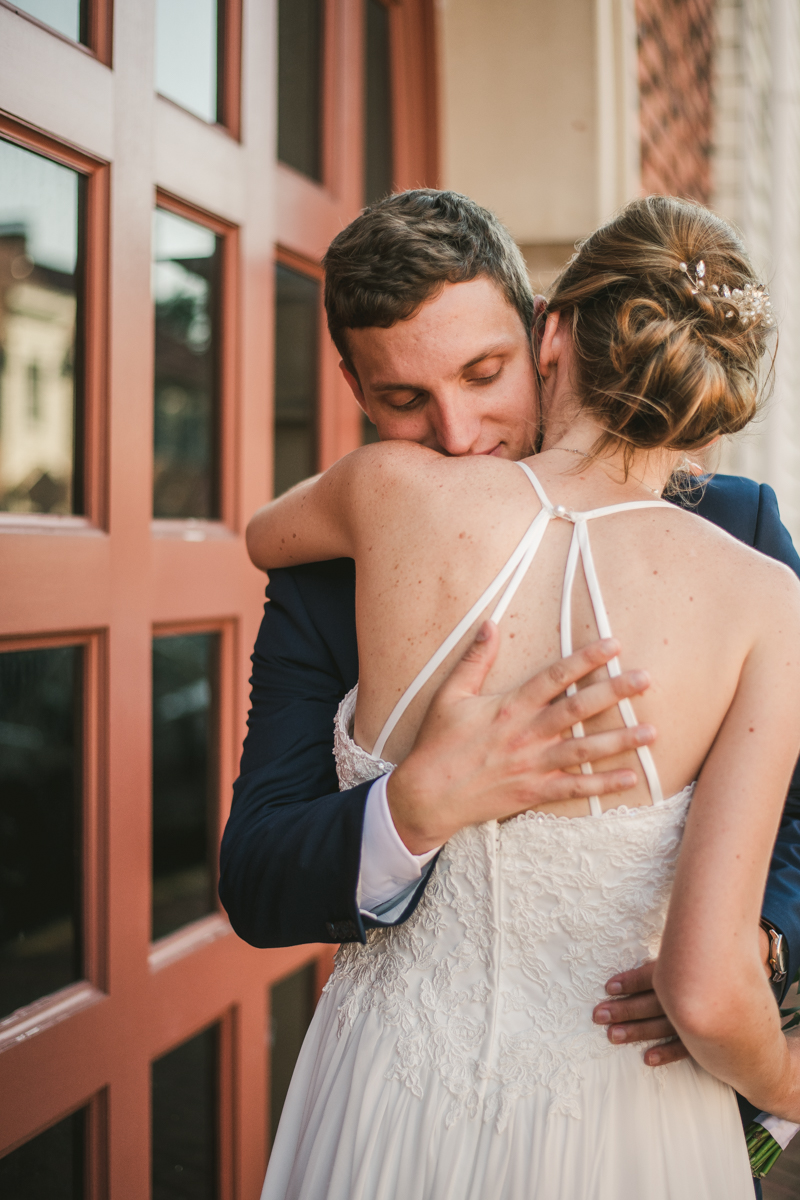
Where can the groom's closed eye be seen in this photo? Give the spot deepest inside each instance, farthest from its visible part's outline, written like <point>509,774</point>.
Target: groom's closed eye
<point>404,400</point>
<point>484,378</point>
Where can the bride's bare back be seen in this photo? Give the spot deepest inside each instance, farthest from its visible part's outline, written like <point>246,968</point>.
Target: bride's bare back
<point>428,534</point>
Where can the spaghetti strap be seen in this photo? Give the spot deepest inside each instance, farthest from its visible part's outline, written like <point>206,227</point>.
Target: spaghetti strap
<point>511,575</point>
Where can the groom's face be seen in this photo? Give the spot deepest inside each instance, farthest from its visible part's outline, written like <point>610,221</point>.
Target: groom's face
<point>458,376</point>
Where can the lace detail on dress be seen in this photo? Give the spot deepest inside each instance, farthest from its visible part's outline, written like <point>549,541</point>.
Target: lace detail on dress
<point>353,764</point>
<point>491,982</point>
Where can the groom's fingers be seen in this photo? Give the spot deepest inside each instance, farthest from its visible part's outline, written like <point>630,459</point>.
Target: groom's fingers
<point>590,701</point>
<point>638,1016</point>
<point>628,983</point>
<point>563,786</point>
<point>468,675</point>
<point>641,1007</point>
<point>598,746</point>
<point>670,1052</point>
<point>549,683</point>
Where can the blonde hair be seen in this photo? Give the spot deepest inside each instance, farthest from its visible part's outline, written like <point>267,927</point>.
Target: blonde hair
<point>660,363</point>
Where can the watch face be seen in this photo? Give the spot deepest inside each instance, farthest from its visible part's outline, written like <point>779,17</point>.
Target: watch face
<point>781,963</point>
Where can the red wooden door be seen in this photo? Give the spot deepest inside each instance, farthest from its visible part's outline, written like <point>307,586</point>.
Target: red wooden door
<point>150,240</point>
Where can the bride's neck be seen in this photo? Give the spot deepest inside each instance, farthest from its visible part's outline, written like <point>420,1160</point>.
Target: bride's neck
<point>647,470</point>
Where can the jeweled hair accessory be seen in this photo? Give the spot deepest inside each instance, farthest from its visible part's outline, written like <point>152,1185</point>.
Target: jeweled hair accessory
<point>752,301</point>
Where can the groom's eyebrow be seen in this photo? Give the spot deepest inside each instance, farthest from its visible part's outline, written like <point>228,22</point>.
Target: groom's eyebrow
<point>418,387</point>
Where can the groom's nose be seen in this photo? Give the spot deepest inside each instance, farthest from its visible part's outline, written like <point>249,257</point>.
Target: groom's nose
<point>457,426</point>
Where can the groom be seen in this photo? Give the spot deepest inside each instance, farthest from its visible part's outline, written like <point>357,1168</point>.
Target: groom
<point>419,289</point>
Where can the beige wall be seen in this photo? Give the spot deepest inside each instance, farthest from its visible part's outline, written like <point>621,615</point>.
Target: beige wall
<point>533,92</point>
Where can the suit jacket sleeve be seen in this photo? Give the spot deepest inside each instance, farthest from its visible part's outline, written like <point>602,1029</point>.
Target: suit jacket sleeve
<point>290,854</point>
<point>782,897</point>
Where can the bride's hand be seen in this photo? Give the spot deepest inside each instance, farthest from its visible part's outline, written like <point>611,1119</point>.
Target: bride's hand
<point>480,757</point>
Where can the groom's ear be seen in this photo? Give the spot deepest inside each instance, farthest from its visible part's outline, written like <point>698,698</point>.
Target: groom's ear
<point>550,346</point>
<point>352,383</point>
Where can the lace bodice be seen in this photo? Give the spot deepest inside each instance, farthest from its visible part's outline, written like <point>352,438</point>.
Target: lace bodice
<point>492,981</point>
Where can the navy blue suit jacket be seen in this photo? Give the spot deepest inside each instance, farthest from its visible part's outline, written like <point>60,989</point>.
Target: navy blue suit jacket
<point>290,853</point>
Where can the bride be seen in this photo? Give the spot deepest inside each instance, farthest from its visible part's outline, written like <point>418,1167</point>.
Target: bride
<point>454,1057</point>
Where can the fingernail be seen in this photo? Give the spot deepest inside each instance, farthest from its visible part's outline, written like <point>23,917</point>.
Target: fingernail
<point>609,646</point>
<point>653,1059</point>
<point>639,678</point>
<point>483,633</point>
<point>602,1016</point>
<point>617,1034</point>
<point>645,733</point>
<point>614,988</point>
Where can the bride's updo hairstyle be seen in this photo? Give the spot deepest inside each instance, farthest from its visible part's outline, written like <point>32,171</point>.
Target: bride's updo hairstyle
<point>669,325</point>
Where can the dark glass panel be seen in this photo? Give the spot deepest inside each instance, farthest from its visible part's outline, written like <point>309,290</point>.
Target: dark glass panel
<point>186,285</point>
<point>378,172</point>
<point>40,216</point>
<point>184,1116</point>
<point>296,344</point>
<point>291,1010</point>
<point>300,85</point>
<point>184,787</point>
<point>67,16</point>
<point>187,41</point>
<point>40,823</point>
<point>48,1167</point>
<point>369,433</point>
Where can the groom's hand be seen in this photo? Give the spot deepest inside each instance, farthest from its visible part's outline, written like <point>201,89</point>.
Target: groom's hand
<point>639,1017</point>
<point>482,757</point>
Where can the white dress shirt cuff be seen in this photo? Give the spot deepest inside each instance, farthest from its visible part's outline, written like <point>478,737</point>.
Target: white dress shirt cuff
<point>389,871</point>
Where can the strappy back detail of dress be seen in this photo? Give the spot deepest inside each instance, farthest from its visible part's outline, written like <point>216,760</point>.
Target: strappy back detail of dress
<point>506,583</point>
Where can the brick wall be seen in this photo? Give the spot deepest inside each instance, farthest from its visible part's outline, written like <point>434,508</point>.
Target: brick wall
<point>676,43</point>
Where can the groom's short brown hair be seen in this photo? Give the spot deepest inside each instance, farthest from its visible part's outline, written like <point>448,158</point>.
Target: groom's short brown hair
<point>401,251</point>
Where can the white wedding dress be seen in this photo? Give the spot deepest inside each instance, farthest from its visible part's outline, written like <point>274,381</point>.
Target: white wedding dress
<point>454,1057</point>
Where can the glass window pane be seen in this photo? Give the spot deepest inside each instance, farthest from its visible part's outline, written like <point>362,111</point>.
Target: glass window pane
<point>67,16</point>
<point>48,1167</point>
<point>40,203</point>
<point>184,786</point>
<point>378,174</point>
<point>296,344</point>
<point>184,1116</point>
<point>300,85</point>
<point>40,823</point>
<point>291,1008</point>
<point>369,433</point>
<point>186,287</point>
<point>187,39</point>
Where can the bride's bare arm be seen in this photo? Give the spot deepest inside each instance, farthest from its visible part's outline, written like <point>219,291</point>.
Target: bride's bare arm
<point>710,975</point>
<point>319,519</point>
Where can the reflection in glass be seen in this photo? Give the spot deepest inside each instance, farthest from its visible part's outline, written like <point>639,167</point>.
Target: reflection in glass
<point>67,16</point>
<point>184,1120</point>
<point>48,1167</point>
<point>40,825</point>
<point>377,104</point>
<point>186,286</point>
<point>187,44</point>
<point>184,791</point>
<point>291,1007</point>
<point>39,302</point>
<point>296,341</point>
<point>300,85</point>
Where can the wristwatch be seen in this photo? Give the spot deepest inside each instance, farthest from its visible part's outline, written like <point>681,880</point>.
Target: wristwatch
<point>778,958</point>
